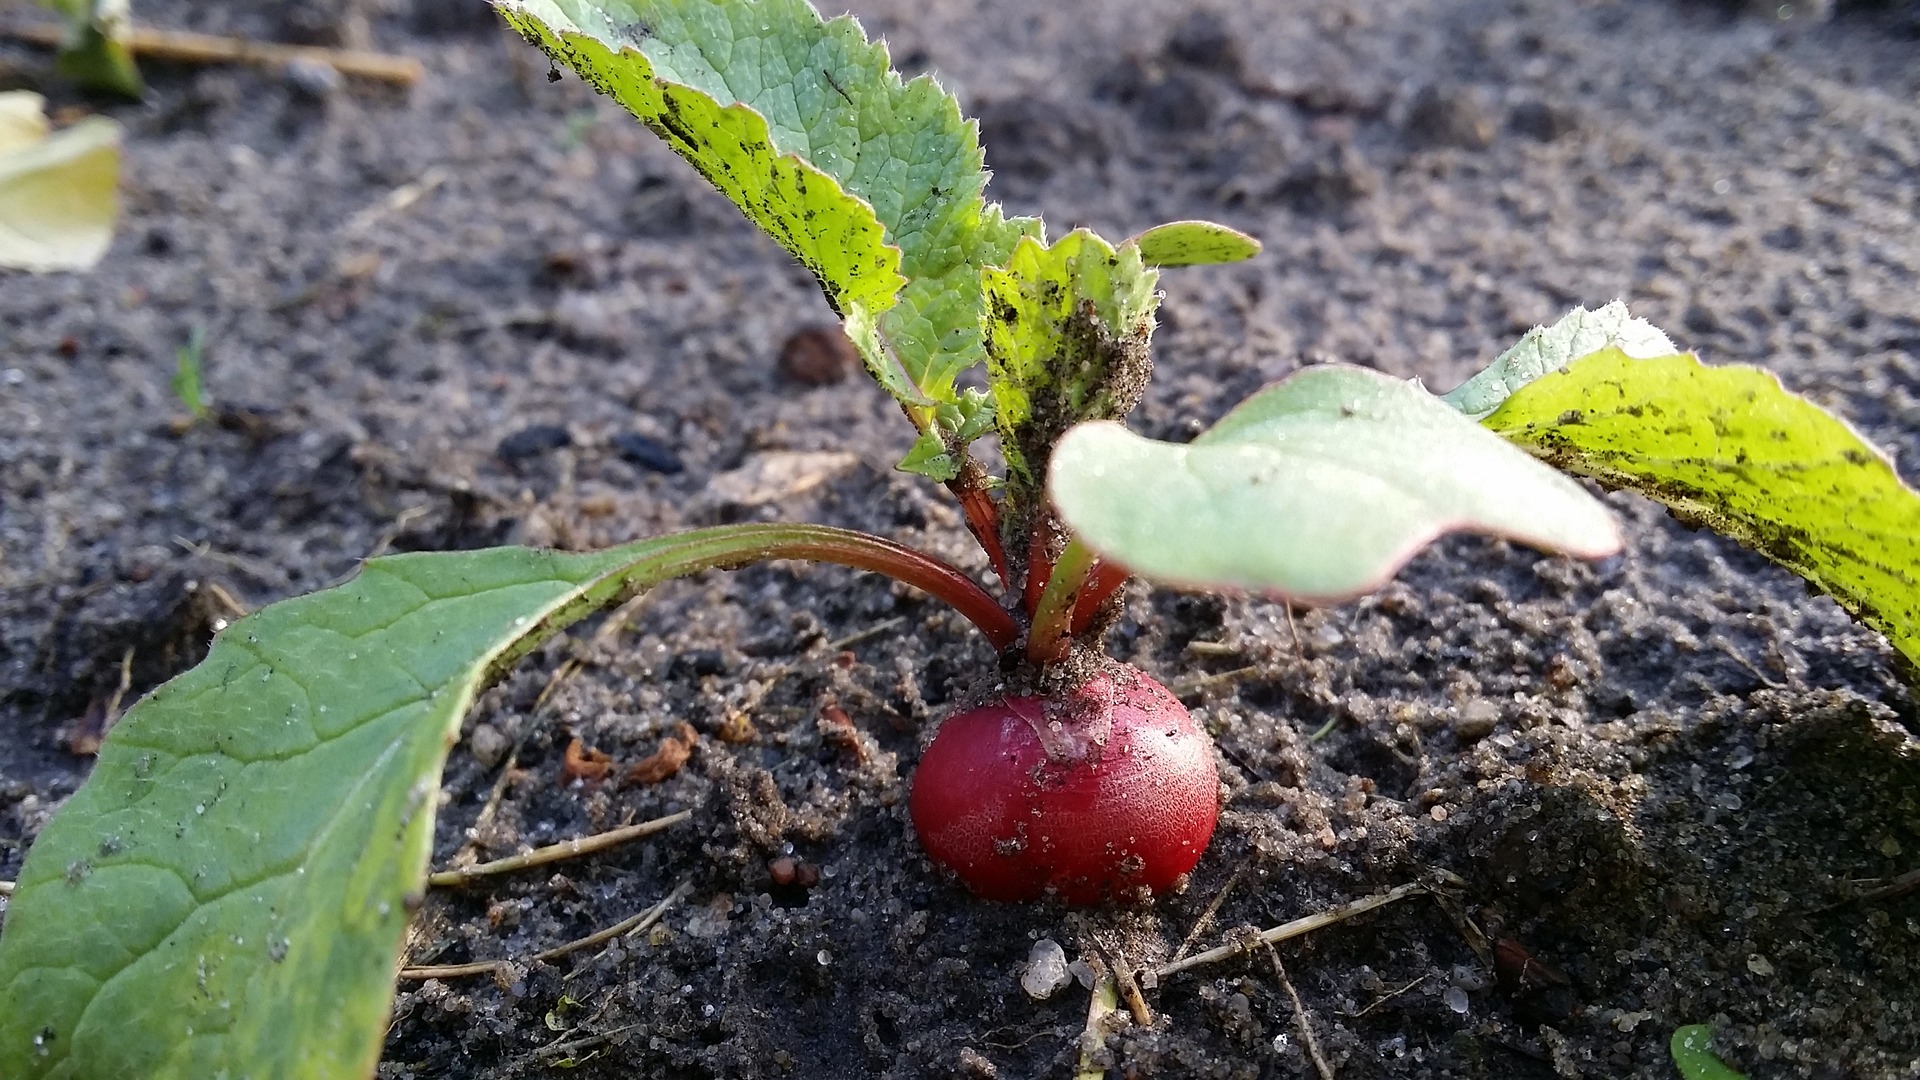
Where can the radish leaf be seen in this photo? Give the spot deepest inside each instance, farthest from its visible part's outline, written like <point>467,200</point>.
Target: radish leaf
<point>1729,448</point>
<point>1316,489</point>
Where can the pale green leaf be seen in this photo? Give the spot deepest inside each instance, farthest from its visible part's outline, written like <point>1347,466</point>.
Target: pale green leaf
<point>1730,449</point>
<point>23,120</point>
<point>226,894</point>
<point>874,184</point>
<point>58,195</point>
<point>1316,489</point>
<point>1194,243</point>
<point>1068,326</point>
<point>1545,349</point>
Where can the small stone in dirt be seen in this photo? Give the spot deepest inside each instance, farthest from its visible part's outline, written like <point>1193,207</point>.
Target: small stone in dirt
<point>314,78</point>
<point>637,449</point>
<point>532,442</point>
<point>487,745</point>
<point>699,663</point>
<point>1450,116</point>
<point>779,474</point>
<point>1541,121</point>
<point>788,871</point>
<point>1204,40</point>
<point>818,355</point>
<point>1046,972</point>
<point>1476,720</point>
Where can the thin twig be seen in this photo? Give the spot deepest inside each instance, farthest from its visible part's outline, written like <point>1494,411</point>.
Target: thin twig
<point>226,599</point>
<point>859,636</point>
<point>1124,982</point>
<point>186,47</point>
<point>1300,1016</point>
<point>1205,920</point>
<point>631,925</point>
<point>498,792</point>
<point>1386,997</point>
<point>564,1047</point>
<point>119,692</point>
<point>565,849</point>
<point>1298,650</point>
<point>1295,928</point>
<point>1196,683</point>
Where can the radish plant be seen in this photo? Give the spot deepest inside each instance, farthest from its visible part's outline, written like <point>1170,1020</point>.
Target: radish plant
<point>227,892</point>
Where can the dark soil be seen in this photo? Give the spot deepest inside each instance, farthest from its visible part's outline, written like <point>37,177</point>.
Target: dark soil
<point>494,309</point>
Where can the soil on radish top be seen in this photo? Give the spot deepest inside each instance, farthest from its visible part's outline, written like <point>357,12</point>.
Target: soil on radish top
<point>493,309</point>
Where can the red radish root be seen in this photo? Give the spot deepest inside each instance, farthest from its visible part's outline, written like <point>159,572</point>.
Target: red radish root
<point>1108,791</point>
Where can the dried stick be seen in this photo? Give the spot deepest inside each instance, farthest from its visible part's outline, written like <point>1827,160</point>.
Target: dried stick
<point>565,849</point>
<point>1294,929</point>
<point>631,925</point>
<point>1205,920</point>
<point>186,47</point>
<point>1300,1016</point>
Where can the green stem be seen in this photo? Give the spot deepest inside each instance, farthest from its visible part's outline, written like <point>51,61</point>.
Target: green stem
<point>732,546</point>
<point>1053,616</point>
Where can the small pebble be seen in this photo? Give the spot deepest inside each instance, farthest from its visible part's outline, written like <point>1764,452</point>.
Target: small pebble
<point>1456,999</point>
<point>818,355</point>
<point>1046,971</point>
<point>637,449</point>
<point>314,78</point>
<point>487,745</point>
<point>532,442</point>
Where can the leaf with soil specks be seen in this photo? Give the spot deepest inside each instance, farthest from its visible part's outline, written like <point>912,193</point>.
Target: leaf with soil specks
<point>1317,489</point>
<point>873,183</point>
<point>1067,332</point>
<point>226,894</point>
<point>1194,243</point>
<point>58,193</point>
<point>1731,449</point>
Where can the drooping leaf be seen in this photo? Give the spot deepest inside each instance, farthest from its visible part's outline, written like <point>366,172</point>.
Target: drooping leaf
<point>1316,489</point>
<point>58,196</point>
<point>1692,1051</point>
<point>1543,349</point>
<point>1068,326</point>
<point>226,894</point>
<point>874,184</point>
<point>1729,448</point>
<point>1194,243</point>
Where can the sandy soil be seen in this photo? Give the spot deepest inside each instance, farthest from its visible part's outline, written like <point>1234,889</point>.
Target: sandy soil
<point>493,309</point>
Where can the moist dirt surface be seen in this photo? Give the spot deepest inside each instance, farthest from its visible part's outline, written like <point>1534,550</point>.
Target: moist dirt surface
<point>1670,788</point>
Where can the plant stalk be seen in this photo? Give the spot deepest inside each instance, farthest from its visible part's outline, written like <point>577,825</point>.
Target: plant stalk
<point>721,548</point>
<point>1053,616</point>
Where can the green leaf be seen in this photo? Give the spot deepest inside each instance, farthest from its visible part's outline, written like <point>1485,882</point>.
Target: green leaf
<point>1194,243</point>
<point>1731,449</point>
<point>58,195</point>
<point>226,894</point>
<point>1068,327</point>
<point>874,184</point>
<point>95,54</point>
<point>1316,489</point>
<point>1546,349</point>
<point>1692,1050</point>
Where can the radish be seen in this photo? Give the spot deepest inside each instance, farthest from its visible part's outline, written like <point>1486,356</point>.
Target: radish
<point>1106,791</point>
